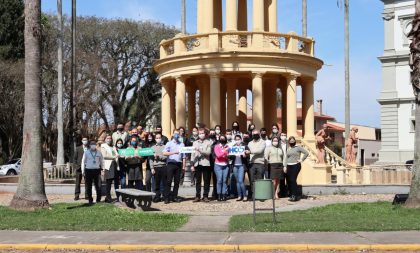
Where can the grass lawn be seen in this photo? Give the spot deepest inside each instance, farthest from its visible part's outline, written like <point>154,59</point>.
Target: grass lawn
<point>379,216</point>
<point>98,217</point>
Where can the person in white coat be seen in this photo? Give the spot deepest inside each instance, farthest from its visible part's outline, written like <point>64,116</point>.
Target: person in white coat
<point>111,169</point>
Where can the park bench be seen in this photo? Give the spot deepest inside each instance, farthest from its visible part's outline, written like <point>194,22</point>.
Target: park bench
<point>136,198</point>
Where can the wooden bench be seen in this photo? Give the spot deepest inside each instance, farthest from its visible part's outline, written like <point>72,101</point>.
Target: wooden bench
<point>136,198</point>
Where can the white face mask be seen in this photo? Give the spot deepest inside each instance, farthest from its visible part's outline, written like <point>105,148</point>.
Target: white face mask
<point>119,145</point>
<point>158,141</point>
<point>108,142</point>
<point>275,131</point>
<point>217,131</point>
<point>93,147</point>
<point>85,142</point>
<point>283,138</point>
<point>275,143</point>
<point>202,136</point>
<point>195,133</point>
<point>229,137</point>
<point>238,143</point>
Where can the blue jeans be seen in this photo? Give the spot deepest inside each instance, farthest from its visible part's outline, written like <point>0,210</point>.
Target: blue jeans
<point>239,172</point>
<point>123,177</point>
<point>222,172</point>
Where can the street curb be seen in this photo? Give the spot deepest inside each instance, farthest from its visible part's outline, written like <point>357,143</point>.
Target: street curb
<point>213,247</point>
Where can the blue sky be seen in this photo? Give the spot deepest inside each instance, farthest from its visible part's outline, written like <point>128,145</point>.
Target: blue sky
<point>325,24</point>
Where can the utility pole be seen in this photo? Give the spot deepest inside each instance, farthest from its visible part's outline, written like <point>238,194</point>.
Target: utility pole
<point>304,18</point>
<point>73,79</point>
<point>60,124</point>
<point>183,17</point>
<point>347,67</point>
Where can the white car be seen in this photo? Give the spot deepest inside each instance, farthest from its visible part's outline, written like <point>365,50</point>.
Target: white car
<point>11,168</point>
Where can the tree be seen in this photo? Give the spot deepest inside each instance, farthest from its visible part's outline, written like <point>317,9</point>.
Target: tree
<point>30,193</point>
<point>413,200</point>
<point>11,29</point>
<point>60,123</point>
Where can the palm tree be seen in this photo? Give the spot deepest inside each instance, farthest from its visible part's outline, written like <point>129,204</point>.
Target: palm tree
<point>60,127</point>
<point>30,193</point>
<point>413,200</point>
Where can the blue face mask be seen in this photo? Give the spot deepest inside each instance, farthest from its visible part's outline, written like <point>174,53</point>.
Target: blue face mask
<point>176,136</point>
<point>134,143</point>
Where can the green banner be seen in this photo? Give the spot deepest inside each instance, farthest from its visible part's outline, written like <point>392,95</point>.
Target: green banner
<point>146,152</point>
<point>126,152</point>
<point>133,152</point>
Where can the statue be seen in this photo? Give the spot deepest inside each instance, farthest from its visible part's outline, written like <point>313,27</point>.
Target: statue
<point>351,142</point>
<point>321,137</point>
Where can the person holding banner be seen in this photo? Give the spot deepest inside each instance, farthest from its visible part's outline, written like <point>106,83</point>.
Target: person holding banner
<point>257,160</point>
<point>274,156</point>
<point>221,151</point>
<point>201,165</point>
<point>175,163</point>
<point>134,165</point>
<point>158,167</point>
<point>121,164</point>
<point>111,168</point>
<point>239,160</point>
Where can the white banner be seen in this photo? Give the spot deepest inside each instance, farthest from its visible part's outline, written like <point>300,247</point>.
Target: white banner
<point>187,150</point>
<point>236,150</point>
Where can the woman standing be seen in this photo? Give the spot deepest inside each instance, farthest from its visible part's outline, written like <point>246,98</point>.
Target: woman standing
<point>274,156</point>
<point>294,161</point>
<point>110,155</point>
<point>121,164</point>
<point>239,164</point>
<point>221,168</point>
<point>134,166</point>
<point>150,142</point>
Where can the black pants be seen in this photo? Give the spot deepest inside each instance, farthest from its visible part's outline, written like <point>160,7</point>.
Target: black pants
<point>135,184</point>
<point>160,176</point>
<point>79,177</point>
<point>202,173</point>
<point>256,172</point>
<point>173,173</point>
<point>93,176</point>
<point>284,191</point>
<point>148,180</point>
<point>291,177</point>
<point>109,182</point>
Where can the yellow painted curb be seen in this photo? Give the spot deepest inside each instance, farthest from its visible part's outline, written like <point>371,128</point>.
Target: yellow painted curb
<point>213,247</point>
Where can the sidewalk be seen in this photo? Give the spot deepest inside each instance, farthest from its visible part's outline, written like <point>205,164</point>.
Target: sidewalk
<point>179,241</point>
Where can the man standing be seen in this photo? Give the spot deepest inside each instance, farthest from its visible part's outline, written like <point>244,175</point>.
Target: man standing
<point>78,156</point>
<point>189,143</point>
<point>119,134</point>
<point>175,163</point>
<point>92,164</point>
<point>257,160</point>
<point>201,165</point>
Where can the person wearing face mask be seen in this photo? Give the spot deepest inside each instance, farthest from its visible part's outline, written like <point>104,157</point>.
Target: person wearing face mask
<point>236,129</point>
<point>183,135</point>
<point>92,164</point>
<point>239,163</point>
<point>150,142</point>
<point>274,131</point>
<point>294,160</point>
<point>158,167</point>
<point>189,143</point>
<point>251,128</point>
<point>263,134</point>
<point>110,155</point>
<point>221,151</point>
<point>284,192</point>
<point>121,164</point>
<point>158,130</point>
<point>274,156</point>
<point>246,139</point>
<point>175,163</point>
<point>232,189</point>
<point>257,160</point>
<point>218,131</point>
<point>119,134</point>
<point>201,165</point>
<point>134,166</point>
<point>213,139</point>
<point>78,155</point>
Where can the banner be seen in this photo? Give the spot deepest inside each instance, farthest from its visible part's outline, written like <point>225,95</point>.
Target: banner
<point>133,152</point>
<point>236,150</point>
<point>187,150</point>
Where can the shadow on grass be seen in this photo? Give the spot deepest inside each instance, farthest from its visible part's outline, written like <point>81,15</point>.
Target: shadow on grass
<point>80,206</point>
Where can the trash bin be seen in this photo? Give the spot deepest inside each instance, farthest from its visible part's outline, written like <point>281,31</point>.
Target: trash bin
<point>263,190</point>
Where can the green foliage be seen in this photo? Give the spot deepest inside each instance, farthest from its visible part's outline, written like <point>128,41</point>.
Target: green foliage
<point>12,25</point>
<point>379,216</point>
<point>99,217</point>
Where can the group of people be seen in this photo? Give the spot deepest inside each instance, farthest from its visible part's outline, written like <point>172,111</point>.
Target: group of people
<point>262,156</point>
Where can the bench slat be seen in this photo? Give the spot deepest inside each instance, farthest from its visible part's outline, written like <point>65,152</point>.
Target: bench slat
<point>135,192</point>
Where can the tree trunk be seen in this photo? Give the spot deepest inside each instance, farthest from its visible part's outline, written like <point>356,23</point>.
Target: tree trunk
<point>30,193</point>
<point>60,127</point>
<point>413,200</point>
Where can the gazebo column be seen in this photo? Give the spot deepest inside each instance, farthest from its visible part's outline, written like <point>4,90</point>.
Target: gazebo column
<point>242,15</point>
<point>231,15</point>
<point>291,106</point>
<point>242,110</point>
<point>222,104</point>
<point>258,15</point>
<point>231,102</point>
<point>270,104</point>
<point>165,110</point>
<point>180,102</point>
<point>208,16</point>
<point>283,89</point>
<point>191,107</point>
<point>215,114</point>
<point>172,108</point>
<point>272,16</point>
<point>204,101</point>
<point>308,109</point>
<point>201,4</point>
<point>257,100</point>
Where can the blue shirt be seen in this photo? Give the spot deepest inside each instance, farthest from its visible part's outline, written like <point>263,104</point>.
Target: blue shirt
<point>174,146</point>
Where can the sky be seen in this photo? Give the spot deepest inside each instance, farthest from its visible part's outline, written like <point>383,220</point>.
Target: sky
<point>325,25</point>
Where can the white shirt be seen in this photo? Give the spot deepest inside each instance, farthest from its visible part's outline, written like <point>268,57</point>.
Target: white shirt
<point>92,160</point>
